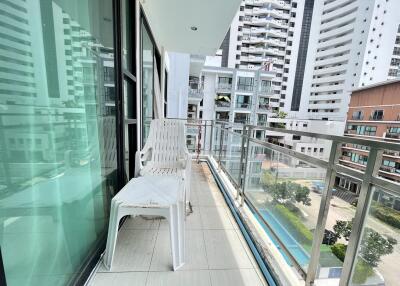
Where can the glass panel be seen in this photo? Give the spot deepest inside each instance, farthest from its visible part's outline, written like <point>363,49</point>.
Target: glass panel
<point>279,187</point>
<point>130,149</point>
<point>128,20</point>
<point>230,157</point>
<point>337,229</point>
<point>129,99</point>
<point>57,137</point>
<point>147,81</point>
<point>378,254</point>
<point>216,142</point>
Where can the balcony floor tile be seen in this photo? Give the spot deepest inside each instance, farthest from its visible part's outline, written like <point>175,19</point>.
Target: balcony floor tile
<point>237,277</point>
<point>216,252</point>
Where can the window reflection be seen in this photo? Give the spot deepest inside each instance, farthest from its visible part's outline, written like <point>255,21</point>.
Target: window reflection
<point>57,136</point>
<point>147,81</point>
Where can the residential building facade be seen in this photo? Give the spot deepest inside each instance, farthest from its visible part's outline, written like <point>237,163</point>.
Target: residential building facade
<point>272,36</point>
<point>374,113</point>
<point>351,45</point>
<point>394,71</point>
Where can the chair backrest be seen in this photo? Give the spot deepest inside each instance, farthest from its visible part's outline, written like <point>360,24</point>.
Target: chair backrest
<point>168,142</point>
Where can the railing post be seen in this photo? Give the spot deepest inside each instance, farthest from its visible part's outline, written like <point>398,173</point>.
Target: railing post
<point>211,136</point>
<point>205,135</point>
<point>248,134</point>
<point>323,213</point>
<point>241,163</point>
<point>221,139</point>
<point>373,165</point>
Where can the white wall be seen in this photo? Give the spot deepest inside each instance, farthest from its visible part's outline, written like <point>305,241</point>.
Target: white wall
<point>178,83</point>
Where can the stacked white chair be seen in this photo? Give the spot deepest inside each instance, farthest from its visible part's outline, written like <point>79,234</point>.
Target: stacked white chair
<point>165,152</point>
<point>161,187</point>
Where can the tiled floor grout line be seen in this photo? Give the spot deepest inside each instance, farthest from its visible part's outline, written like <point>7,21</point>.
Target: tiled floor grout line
<point>152,254</point>
<point>205,246</point>
<point>239,235</point>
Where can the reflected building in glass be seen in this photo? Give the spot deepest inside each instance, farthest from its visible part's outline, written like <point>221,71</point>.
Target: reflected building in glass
<point>57,130</point>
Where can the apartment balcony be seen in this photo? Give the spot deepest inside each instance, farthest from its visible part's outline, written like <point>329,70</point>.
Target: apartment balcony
<point>262,122</point>
<point>251,58</point>
<point>220,104</point>
<point>274,52</point>
<point>224,88</point>
<point>236,217</point>
<point>241,121</point>
<point>245,88</point>
<point>258,21</point>
<point>196,94</point>
<point>266,91</point>
<point>390,170</point>
<point>216,250</point>
<point>279,14</point>
<point>275,42</point>
<point>249,66</point>
<point>252,40</point>
<point>260,11</point>
<point>392,135</point>
<point>277,23</point>
<point>254,30</point>
<point>376,118</point>
<point>253,50</point>
<point>240,105</point>
<point>275,33</point>
<point>264,107</point>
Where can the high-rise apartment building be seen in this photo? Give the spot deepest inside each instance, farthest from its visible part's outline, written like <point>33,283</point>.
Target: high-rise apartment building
<point>394,71</point>
<point>351,45</point>
<point>273,36</point>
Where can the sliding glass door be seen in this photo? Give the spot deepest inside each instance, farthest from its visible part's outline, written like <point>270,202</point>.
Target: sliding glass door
<point>147,72</point>
<point>57,136</point>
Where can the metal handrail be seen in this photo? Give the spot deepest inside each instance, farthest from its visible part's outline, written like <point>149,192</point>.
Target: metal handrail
<point>368,178</point>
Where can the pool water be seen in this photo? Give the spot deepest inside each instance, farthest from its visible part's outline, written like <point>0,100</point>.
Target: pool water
<point>286,238</point>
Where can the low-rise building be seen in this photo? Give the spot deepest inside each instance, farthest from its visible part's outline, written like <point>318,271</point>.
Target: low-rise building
<point>374,113</point>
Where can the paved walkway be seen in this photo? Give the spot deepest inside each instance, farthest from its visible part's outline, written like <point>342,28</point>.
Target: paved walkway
<point>217,253</point>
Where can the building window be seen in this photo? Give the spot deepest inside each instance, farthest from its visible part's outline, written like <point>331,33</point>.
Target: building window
<point>358,115</point>
<point>377,115</point>
<point>366,130</point>
<point>245,83</point>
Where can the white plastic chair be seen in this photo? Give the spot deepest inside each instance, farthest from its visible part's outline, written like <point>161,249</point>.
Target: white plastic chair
<point>150,195</point>
<point>165,152</point>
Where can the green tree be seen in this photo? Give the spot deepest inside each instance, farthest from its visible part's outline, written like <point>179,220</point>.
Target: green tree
<point>373,246</point>
<point>343,228</point>
<point>282,114</point>
<point>288,192</point>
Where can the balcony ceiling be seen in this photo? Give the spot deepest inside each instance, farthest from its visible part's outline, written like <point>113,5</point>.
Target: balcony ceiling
<point>171,23</point>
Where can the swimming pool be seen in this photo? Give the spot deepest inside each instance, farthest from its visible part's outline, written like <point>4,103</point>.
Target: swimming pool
<point>286,238</point>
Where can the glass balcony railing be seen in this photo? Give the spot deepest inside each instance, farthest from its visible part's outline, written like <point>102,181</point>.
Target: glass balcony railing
<point>225,104</point>
<point>243,105</point>
<point>224,87</point>
<point>324,229</point>
<point>196,93</point>
<point>317,225</point>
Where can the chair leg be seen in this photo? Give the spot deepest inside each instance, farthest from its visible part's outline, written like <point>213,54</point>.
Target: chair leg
<point>112,235</point>
<point>176,233</point>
